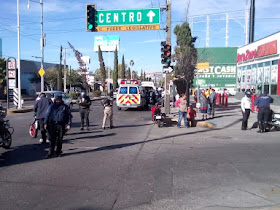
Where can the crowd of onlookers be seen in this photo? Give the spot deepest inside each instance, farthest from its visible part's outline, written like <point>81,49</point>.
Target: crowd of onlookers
<point>205,101</point>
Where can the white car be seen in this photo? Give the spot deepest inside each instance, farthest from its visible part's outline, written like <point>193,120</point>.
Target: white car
<point>221,91</point>
<point>66,99</point>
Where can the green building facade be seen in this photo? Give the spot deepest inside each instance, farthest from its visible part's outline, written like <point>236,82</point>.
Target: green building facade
<point>222,68</point>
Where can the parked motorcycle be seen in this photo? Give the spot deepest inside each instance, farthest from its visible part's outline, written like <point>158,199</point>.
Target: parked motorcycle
<point>157,116</point>
<point>6,130</point>
<point>274,121</point>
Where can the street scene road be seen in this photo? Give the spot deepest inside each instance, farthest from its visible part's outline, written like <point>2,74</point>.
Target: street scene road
<point>137,165</point>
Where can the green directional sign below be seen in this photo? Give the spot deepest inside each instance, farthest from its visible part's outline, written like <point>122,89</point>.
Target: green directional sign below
<point>123,20</point>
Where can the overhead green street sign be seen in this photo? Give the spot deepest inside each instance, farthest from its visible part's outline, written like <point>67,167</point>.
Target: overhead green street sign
<point>125,20</point>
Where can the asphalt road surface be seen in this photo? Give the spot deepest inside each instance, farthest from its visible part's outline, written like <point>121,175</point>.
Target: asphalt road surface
<point>139,166</point>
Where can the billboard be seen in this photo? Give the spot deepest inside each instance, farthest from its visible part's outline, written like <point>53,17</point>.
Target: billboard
<point>220,71</point>
<point>106,43</point>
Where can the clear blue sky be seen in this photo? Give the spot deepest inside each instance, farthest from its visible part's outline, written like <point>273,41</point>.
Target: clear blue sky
<point>65,21</point>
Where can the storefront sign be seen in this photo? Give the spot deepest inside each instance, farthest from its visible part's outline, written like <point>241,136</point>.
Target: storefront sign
<point>261,51</point>
<point>217,76</point>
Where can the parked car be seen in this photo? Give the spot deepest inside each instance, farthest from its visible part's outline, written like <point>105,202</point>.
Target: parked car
<point>66,99</point>
<point>221,91</point>
<point>115,92</point>
<point>230,92</point>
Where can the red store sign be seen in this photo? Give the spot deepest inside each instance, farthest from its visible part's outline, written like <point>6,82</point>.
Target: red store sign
<point>262,50</point>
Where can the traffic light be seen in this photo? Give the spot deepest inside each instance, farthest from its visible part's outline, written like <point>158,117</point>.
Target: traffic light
<point>90,17</point>
<point>165,54</point>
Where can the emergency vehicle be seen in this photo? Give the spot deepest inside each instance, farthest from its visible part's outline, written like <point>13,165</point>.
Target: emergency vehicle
<point>129,95</point>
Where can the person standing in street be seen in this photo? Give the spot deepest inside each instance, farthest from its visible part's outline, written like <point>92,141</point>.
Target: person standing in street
<point>58,120</point>
<point>182,104</point>
<point>212,102</point>
<point>197,93</point>
<point>246,109</point>
<point>263,103</point>
<point>204,103</point>
<point>108,110</point>
<point>84,109</point>
<point>40,109</point>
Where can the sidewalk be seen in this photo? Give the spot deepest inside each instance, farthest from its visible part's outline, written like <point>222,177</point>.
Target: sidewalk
<point>222,114</point>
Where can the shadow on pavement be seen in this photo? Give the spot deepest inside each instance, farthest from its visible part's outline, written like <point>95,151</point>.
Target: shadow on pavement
<point>89,137</point>
<point>34,152</point>
<point>24,154</point>
<point>119,146</point>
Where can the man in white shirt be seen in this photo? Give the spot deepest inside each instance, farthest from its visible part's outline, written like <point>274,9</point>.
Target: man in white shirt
<point>246,108</point>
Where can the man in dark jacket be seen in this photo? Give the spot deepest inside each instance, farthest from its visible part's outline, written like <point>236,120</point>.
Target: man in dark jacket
<point>58,118</point>
<point>263,103</point>
<point>40,109</point>
<point>84,105</point>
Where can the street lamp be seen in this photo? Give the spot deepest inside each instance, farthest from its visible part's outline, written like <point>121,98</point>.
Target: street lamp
<point>42,40</point>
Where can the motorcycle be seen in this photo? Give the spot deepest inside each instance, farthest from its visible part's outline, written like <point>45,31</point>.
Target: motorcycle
<point>157,116</point>
<point>274,121</point>
<point>6,130</point>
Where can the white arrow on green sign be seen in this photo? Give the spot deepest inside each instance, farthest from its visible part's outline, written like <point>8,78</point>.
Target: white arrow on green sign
<point>128,17</point>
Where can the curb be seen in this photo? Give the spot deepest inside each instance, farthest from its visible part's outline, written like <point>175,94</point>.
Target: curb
<point>13,111</point>
<point>24,110</point>
<point>204,124</point>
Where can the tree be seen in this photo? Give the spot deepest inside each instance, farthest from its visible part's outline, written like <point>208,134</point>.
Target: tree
<point>102,68</point>
<point>2,76</point>
<point>35,78</point>
<point>144,76</point>
<point>141,76</point>
<point>134,75</point>
<point>128,73</point>
<point>122,69</point>
<point>51,77</point>
<point>116,70</point>
<point>185,57</point>
<point>74,78</point>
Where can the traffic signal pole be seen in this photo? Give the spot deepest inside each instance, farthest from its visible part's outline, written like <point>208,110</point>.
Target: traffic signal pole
<point>168,41</point>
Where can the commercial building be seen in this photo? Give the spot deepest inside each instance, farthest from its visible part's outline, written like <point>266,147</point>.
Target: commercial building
<point>222,68</point>
<point>258,66</point>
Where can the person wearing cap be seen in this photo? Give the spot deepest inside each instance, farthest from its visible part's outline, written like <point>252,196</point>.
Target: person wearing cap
<point>40,108</point>
<point>246,109</point>
<point>58,120</point>
<point>263,103</point>
<point>84,106</point>
<point>108,110</point>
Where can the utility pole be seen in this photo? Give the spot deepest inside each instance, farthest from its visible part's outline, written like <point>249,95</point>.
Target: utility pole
<point>42,47</point>
<point>227,20</point>
<point>59,74</point>
<point>252,21</point>
<point>19,72</point>
<point>246,23</point>
<point>168,41</point>
<point>207,31</point>
<point>64,70</point>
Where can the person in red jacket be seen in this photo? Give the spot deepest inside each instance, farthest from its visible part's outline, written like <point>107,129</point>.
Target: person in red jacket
<point>191,116</point>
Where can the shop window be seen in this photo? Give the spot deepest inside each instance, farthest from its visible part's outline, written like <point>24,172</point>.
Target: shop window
<point>266,89</point>
<point>273,89</point>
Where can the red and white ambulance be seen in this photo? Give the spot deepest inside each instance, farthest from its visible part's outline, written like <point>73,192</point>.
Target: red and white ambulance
<point>129,95</point>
